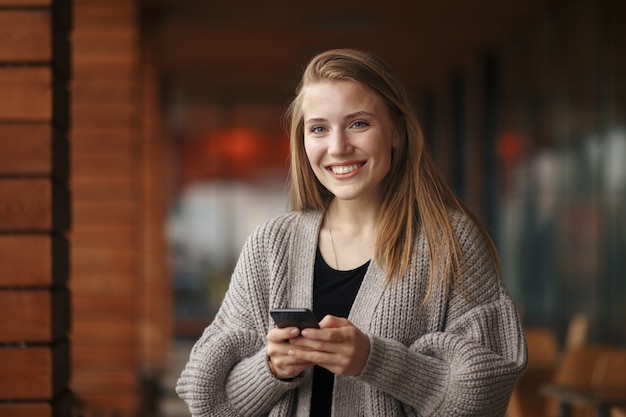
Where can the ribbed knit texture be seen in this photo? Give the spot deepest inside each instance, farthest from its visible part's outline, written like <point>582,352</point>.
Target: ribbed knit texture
<point>458,355</point>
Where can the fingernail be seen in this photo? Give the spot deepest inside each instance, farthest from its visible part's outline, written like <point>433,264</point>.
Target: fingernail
<point>294,332</point>
<point>291,352</point>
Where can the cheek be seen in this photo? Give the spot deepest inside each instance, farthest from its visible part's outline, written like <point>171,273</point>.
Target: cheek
<point>386,158</point>
<point>312,152</point>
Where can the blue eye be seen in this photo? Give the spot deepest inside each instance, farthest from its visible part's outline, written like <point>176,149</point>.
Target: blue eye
<point>318,129</point>
<point>360,124</point>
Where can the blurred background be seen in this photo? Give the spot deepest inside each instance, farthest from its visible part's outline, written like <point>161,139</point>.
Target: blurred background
<point>177,149</point>
<point>522,103</point>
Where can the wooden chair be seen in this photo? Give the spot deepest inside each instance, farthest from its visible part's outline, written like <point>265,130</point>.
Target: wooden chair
<point>618,412</point>
<point>609,381</point>
<point>572,382</point>
<point>589,381</point>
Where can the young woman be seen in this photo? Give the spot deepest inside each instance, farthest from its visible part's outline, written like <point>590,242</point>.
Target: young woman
<point>415,320</point>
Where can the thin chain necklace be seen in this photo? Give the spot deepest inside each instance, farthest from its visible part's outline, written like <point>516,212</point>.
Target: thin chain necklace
<point>332,242</point>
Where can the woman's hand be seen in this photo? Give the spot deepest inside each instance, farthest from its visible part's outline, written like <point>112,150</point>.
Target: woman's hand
<point>338,346</point>
<point>284,365</point>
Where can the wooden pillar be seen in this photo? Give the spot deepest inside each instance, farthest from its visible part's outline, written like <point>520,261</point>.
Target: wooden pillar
<point>121,192</point>
<point>106,191</point>
<point>34,208</point>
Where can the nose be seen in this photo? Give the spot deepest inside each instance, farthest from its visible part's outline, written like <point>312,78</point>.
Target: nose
<point>339,143</point>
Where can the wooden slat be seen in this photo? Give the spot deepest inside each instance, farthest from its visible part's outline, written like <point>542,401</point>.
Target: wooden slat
<point>25,204</point>
<point>26,93</point>
<point>33,373</point>
<point>33,204</point>
<point>91,283</point>
<point>115,187</point>
<point>104,333</point>
<point>39,409</point>
<point>61,405</point>
<point>25,148</point>
<point>105,15</point>
<point>103,260</point>
<point>104,213</point>
<point>61,9</point>
<point>107,90</point>
<point>105,404</point>
<point>25,260</point>
<point>114,66</point>
<point>111,392</point>
<point>111,381</point>
<point>24,3</point>
<point>104,114</point>
<point>33,315</point>
<point>34,149</point>
<point>113,236</point>
<point>92,164</point>
<point>103,138</point>
<point>105,358</point>
<point>25,316</point>
<point>103,67</point>
<point>26,35</point>
<point>33,261</point>
<point>103,306</point>
<point>117,42</point>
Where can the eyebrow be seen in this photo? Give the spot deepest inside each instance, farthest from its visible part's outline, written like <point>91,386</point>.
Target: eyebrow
<point>361,113</point>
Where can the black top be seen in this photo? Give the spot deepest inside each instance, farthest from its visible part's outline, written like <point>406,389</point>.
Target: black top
<point>333,293</point>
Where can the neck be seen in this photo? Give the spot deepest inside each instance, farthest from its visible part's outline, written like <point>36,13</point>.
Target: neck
<point>353,216</point>
<point>348,237</point>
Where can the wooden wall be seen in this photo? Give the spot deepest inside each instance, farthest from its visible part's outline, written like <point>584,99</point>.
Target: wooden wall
<point>119,280</point>
<point>34,208</point>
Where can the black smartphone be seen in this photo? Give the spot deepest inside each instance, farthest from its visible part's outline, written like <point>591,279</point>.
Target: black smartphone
<point>301,318</point>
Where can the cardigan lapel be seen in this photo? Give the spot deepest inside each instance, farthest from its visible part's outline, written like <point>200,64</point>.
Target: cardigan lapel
<point>368,297</point>
<point>302,258</point>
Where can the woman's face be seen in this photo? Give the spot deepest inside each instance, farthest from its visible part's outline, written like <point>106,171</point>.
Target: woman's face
<point>348,136</point>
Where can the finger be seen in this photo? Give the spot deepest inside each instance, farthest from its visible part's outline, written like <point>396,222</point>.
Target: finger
<point>347,363</point>
<point>283,365</point>
<point>278,335</point>
<point>333,334</point>
<point>330,321</point>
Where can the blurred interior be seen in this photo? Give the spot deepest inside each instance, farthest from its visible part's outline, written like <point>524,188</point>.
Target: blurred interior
<point>522,105</point>
<point>179,149</point>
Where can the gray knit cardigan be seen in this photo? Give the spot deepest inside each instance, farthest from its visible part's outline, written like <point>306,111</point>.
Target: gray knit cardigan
<point>458,355</point>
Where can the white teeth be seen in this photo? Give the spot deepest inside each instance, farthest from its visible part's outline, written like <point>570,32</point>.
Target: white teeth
<point>346,169</point>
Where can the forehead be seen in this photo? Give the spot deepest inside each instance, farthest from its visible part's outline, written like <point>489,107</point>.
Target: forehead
<point>334,95</point>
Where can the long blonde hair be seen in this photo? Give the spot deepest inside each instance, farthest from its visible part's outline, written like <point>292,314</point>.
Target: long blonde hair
<point>415,194</point>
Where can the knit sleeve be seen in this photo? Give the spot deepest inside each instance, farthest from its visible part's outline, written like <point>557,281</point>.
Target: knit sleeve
<point>468,366</point>
<point>468,370</point>
<point>227,372</point>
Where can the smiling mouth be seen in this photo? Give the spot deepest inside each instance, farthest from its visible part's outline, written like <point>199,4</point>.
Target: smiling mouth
<point>345,169</point>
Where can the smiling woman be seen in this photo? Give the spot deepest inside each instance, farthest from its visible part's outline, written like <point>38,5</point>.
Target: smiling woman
<point>405,279</point>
